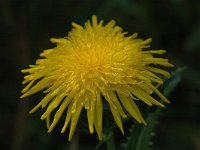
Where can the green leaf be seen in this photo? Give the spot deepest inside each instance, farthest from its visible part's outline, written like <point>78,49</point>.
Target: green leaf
<point>175,79</point>
<point>140,136</point>
<point>108,135</point>
<point>108,138</point>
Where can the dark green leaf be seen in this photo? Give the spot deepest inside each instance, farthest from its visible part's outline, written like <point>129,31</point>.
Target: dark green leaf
<point>140,136</point>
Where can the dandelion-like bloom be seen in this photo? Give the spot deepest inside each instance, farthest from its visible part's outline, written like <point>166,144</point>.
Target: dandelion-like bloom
<point>96,64</point>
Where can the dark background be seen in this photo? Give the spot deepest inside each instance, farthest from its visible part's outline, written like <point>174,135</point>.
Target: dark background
<point>25,29</point>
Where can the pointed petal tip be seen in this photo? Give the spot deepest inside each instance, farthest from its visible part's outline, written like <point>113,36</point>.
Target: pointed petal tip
<point>76,25</point>
<point>23,70</point>
<point>91,130</point>
<point>166,100</point>
<point>161,105</point>
<point>122,130</point>
<point>100,137</point>
<point>23,96</point>
<point>70,138</point>
<point>124,116</point>
<point>50,129</point>
<point>145,123</point>
<point>54,40</point>
<point>135,34</point>
<point>31,111</point>
<point>43,117</point>
<point>147,41</point>
<point>23,91</point>
<point>94,16</point>
<point>163,50</point>
<point>94,20</point>
<point>171,65</point>
<point>63,129</point>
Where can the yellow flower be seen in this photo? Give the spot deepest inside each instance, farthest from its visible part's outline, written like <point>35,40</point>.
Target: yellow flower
<point>93,65</point>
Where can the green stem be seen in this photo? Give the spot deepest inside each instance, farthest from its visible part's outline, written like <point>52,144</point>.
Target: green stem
<point>110,143</point>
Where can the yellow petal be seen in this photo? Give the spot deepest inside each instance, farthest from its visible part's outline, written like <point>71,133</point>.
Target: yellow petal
<point>39,86</point>
<point>136,92</point>
<point>161,51</point>
<point>158,93</point>
<point>74,120</point>
<point>113,97</point>
<point>117,118</point>
<point>90,115</point>
<point>160,71</point>
<point>94,20</point>
<point>97,126</point>
<point>55,102</point>
<point>58,114</point>
<point>67,119</point>
<point>131,107</point>
<point>145,96</point>
<point>99,111</point>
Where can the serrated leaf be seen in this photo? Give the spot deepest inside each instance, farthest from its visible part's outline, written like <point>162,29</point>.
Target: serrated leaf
<point>173,81</point>
<point>140,136</point>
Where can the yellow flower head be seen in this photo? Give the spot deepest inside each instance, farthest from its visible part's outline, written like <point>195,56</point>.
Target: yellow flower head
<point>95,64</point>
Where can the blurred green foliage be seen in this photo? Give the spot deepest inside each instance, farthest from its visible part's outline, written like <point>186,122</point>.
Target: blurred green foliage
<point>25,29</point>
